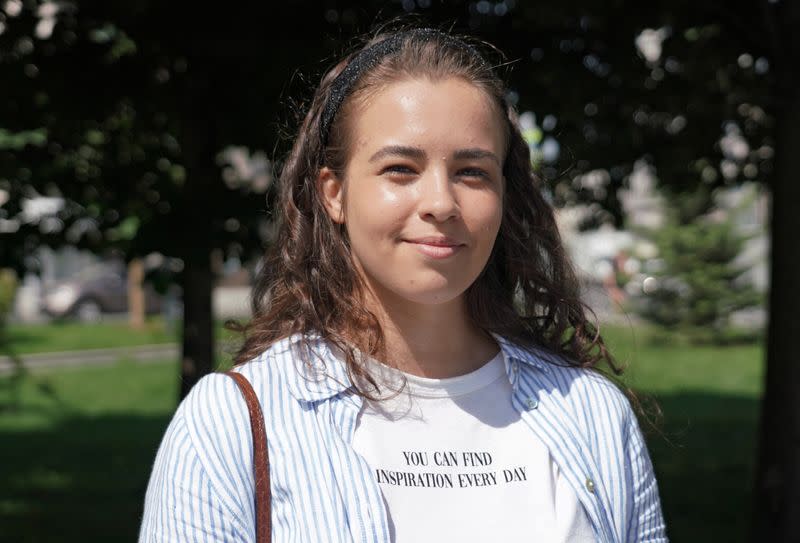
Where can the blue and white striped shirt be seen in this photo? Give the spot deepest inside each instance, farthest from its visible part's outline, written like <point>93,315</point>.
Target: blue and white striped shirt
<point>201,487</point>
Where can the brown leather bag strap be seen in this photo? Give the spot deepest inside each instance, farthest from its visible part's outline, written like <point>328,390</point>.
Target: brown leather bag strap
<point>260,459</point>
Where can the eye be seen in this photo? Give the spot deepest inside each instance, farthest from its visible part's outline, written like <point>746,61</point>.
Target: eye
<point>398,170</point>
<point>475,173</point>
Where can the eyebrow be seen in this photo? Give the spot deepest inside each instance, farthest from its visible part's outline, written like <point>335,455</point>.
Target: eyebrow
<point>398,150</point>
<point>417,153</point>
<point>475,153</point>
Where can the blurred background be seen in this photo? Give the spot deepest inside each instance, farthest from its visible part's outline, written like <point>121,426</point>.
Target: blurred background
<point>139,141</point>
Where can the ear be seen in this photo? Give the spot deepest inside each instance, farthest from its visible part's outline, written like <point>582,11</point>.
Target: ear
<point>332,192</point>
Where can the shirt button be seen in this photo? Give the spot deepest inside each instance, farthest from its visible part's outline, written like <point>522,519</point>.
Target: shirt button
<point>590,485</point>
<point>531,403</point>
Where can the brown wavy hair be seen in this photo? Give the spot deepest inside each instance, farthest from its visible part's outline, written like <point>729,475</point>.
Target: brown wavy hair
<point>308,285</point>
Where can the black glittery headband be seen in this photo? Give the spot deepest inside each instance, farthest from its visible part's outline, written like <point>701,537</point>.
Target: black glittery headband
<point>369,57</point>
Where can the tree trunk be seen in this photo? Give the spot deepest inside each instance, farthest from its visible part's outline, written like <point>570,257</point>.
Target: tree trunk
<point>777,491</point>
<point>136,307</point>
<point>198,321</point>
<point>199,143</point>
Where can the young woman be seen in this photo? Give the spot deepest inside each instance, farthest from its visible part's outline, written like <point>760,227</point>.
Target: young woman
<point>424,365</point>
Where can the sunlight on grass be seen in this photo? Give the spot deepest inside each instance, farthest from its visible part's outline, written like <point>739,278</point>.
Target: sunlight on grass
<point>658,368</point>
<point>70,336</point>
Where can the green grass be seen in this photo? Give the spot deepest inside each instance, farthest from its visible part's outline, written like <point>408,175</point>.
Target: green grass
<point>704,445</point>
<point>667,365</point>
<point>77,452</point>
<point>69,336</point>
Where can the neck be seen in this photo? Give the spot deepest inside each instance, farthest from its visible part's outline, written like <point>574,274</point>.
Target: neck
<point>431,340</point>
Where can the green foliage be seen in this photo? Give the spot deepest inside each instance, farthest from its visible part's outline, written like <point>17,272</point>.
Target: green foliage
<point>699,286</point>
<point>126,229</point>
<point>18,140</point>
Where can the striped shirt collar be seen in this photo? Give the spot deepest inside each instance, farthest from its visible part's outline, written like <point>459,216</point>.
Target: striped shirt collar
<point>317,374</point>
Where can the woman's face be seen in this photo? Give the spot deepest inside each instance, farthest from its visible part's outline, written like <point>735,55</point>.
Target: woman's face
<point>423,189</point>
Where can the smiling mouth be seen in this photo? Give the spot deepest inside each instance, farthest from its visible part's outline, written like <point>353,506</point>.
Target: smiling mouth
<point>436,248</point>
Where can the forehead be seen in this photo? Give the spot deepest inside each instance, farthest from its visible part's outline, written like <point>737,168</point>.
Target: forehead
<point>439,115</point>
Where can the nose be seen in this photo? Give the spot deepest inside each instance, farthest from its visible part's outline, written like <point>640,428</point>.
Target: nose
<point>437,199</point>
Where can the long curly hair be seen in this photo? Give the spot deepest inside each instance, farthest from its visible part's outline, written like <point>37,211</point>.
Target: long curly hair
<point>308,285</point>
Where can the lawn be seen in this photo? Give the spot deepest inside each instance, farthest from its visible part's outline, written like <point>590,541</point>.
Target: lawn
<point>71,335</point>
<point>77,452</point>
<point>705,443</point>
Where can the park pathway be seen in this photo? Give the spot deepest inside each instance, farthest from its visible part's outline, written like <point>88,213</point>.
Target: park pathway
<point>140,353</point>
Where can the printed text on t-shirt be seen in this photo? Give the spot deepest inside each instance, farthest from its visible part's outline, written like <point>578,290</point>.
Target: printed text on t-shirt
<point>449,459</point>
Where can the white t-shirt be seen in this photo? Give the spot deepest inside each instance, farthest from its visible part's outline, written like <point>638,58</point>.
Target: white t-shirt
<point>455,462</point>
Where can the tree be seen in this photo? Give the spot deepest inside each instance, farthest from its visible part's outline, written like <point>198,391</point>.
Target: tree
<point>699,286</point>
<point>777,491</point>
<point>131,117</point>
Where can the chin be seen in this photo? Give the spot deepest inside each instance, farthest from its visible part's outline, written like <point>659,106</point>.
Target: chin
<point>433,294</point>
<point>423,287</point>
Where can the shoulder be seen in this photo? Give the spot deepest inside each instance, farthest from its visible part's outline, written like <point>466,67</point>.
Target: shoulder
<point>216,423</point>
<point>284,377</point>
<point>215,404</point>
<point>215,413</point>
<point>589,386</point>
<point>590,396</point>
<point>207,452</point>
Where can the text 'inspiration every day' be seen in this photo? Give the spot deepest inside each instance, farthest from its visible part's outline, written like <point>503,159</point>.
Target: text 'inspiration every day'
<point>435,470</point>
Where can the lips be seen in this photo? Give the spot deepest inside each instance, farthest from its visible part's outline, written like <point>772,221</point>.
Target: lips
<point>436,247</point>
<point>436,241</point>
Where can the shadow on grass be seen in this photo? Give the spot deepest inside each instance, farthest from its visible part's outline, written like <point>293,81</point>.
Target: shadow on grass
<point>25,338</point>
<point>705,471</point>
<point>81,480</point>
<point>84,478</point>
<point>30,338</point>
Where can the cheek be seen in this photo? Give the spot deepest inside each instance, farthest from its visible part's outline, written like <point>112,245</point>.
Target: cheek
<point>375,210</point>
<point>486,216</point>
<point>384,198</point>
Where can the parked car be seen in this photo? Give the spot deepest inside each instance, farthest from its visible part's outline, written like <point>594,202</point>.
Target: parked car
<point>95,291</point>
